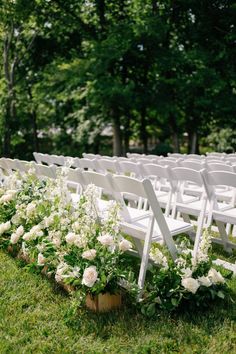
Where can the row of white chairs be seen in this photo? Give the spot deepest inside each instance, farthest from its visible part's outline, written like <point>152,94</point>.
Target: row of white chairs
<point>144,219</point>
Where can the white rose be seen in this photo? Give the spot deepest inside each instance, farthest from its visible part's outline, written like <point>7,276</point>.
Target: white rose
<point>2,229</point>
<point>106,240</point>
<point>90,276</point>
<point>205,281</point>
<point>14,238</point>
<point>6,198</point>
<point>71,237</point>
<point>41,259</point>
<point>190,284</point>
<point>125,245</point>
<point>20,231</point>
<point>90,254</point>
<point>27,236</point>
<point>7,225</point>
<point>215,276</point>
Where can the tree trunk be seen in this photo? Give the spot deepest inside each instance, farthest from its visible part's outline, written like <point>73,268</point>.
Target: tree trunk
<point>127,134</point>
<point>117,141</point>
<point>174,130</point>
<point>34,123</point>
<point>143,131</point>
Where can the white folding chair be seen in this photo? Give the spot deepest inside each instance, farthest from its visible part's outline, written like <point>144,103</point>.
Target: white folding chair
<point>227,215</point>
<point>162,182</point>
<point>89,164</point>
<point>111,166</point>
<point>45,171</point>
<point>149,226</point>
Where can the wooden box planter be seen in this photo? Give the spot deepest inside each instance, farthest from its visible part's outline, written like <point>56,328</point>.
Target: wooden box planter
<point>103,302</point>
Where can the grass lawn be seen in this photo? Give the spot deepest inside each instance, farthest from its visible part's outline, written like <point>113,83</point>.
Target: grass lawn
<point>33,319</point>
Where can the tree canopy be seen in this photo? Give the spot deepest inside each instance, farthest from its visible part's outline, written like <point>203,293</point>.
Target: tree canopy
<point>160,73</point>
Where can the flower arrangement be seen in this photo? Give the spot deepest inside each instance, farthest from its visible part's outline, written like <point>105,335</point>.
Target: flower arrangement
<point>189,278</point>
<point>71,242</point>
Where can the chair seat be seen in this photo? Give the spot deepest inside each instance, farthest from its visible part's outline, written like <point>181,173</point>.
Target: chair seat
<point>139,221</point>
<point>195,208</point>
<point>226,216</point>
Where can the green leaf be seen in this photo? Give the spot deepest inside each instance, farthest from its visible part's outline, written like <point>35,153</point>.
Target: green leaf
<point>220,294</point>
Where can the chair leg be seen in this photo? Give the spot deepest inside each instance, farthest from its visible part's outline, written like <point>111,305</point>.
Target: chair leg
<point>223,235</point>
<point>145,256</point>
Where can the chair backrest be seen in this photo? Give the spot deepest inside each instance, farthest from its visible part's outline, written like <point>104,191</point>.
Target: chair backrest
<point>129,167</point>
<point>6,171</point>
<point>219,167</point>
<point>195,156</point>
<point>188,175</point>
<point>25,166</point>
<point>218,178</point>
<point>90,156</point>
<point>111,166</point>
<point>90,164</point>
<point>176,155</point>
<point>168,162</point>
<point>144,189</point>
<point>196,165</point>
<point>46,171</point>
<point>76,176</point>
<point>57,160</point>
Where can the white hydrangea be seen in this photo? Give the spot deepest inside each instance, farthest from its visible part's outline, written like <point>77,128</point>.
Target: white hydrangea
<point>158,257</point>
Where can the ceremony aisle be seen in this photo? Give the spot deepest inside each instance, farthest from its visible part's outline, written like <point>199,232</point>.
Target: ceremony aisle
<point>34,319</point>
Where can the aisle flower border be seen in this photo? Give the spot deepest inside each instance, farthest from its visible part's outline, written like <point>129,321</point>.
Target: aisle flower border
<point>85,251</point>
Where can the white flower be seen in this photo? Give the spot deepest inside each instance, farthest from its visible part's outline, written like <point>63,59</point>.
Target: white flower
<point>81,241</point>
<point>41,259</point>
<point>90,276</point>
<point>27,236</point>
<point>20,231</point>
<point>90,254</point>
<point>61,268</point>
<point>5,227</point>
<point>215,276</point>
<point>186,273</point>
<point>6,198</point>
<point>14,238</point>
<point>125,245</point>
<point>106,240</point>
<point>71,237</point>
<point>76,226</point>
<point>158,258</point>
<point>30,209</point>
<point>190,284</point>
<point>17,234</point>
<point>205,281</point>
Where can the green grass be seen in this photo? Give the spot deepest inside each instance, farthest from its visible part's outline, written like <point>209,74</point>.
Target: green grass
<point>33,319</point>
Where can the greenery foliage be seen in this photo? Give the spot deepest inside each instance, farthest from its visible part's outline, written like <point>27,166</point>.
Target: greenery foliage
<point>151,70</point>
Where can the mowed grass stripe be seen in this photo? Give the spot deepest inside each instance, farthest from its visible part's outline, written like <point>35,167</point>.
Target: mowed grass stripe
<point>34,319</point>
